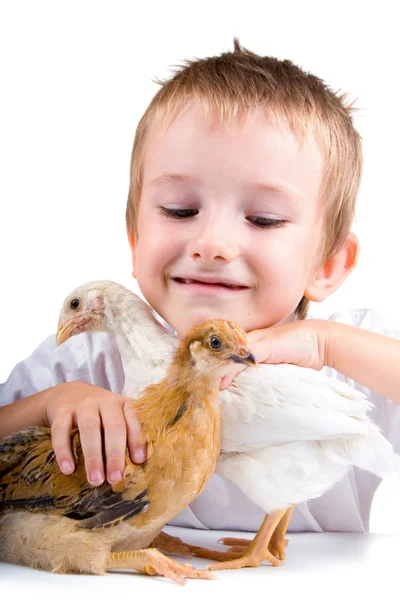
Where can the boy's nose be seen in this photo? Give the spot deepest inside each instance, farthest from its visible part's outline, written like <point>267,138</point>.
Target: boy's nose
<point>209,247</point>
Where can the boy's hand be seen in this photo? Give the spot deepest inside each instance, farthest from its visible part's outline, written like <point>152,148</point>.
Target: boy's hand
<point>300,343</point>
<point>92,409</point>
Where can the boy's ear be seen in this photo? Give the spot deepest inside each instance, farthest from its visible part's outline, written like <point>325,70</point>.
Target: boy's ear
<point>132,244</point>
<point>330,276</point>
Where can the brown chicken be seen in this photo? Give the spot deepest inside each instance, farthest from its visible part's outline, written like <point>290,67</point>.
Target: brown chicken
<point>61,523</point>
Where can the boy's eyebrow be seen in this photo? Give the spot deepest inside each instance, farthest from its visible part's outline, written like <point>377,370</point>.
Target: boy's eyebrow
<point>166,178</point>
<point>275,187</point>
<point>255,186</point>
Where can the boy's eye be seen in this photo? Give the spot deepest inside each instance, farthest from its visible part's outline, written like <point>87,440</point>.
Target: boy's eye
<point>178,213</point>
<point>266,222</point>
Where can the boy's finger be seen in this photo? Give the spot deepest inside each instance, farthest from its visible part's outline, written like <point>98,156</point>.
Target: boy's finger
<point>256,335</point>
<point>61,442</point>
<point>137,450</point>
<point>89,426</point>
<point>114,427</point>
<point>225,381</point>
<point>265,352</point>
<point>229,377</point>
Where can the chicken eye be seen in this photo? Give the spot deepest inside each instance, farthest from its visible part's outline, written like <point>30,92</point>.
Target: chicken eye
<point>75,304</point>
<point>215,343</point>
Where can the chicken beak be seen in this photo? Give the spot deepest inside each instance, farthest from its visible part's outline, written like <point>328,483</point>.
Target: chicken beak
<point>244,357</point>
<point>63,331</point>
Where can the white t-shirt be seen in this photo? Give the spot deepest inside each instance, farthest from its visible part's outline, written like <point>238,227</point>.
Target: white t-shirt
<point>94,358</point>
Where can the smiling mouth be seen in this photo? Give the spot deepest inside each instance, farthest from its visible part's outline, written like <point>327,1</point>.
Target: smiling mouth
<point>209,284</point>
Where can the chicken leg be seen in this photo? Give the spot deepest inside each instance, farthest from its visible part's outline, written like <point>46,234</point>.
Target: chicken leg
<point>276,545</point>
<point>241,547</point>
<point>257,551</point>
<point>152,562</point>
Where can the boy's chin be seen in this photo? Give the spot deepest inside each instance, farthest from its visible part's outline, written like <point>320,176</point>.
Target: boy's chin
<point>185,323</point>
<point>182,328</point>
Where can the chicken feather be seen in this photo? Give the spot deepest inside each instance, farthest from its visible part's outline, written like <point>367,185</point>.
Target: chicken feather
<point>286,403</point>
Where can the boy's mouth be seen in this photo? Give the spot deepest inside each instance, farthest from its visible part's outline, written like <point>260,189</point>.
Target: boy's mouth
<point>210,284</point>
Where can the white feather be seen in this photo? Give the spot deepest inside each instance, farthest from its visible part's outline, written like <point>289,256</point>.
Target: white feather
<point>286,403</point>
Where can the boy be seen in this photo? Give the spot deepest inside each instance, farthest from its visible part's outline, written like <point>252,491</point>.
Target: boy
<point>244,177</point>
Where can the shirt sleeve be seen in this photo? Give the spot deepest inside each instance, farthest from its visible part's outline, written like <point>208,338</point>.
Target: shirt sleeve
<point>89,357</point>
<point>384,412</point>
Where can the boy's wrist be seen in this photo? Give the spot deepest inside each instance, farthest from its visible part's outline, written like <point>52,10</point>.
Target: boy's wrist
<point>45,400</point>
<point>334,338</point>
<point>25,412</point>
<point>322,333</point>
<point>37,406</point>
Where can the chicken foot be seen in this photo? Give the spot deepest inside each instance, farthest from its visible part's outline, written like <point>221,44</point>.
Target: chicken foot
<point>239,546</point>
<point>257,551</point>
<point>245,553</point>
<point>153,562</point>
<point>276,545</point>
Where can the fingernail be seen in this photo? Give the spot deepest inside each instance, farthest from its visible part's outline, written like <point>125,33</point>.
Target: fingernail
<point>138,456</point>
<point>66,467</point>
<point>96,476</point>
<point>115,476</point>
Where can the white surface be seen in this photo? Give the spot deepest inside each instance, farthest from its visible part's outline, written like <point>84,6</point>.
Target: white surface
<point>337,561</point>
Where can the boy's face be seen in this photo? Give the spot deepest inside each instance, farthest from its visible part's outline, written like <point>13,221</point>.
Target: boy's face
<point>229,220</point>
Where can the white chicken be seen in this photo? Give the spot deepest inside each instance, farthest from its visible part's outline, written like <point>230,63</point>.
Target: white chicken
<point>288,433</point>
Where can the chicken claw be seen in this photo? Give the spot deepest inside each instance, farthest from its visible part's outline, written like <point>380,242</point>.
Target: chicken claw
<point>277,546</point>
<point>153,562</point>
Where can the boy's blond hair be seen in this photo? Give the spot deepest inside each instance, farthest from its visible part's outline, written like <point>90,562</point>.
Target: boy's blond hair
<point>235,83</point>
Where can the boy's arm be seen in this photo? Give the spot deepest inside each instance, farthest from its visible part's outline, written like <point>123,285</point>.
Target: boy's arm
<point>367,357</point>
<point>370,358</point>
<point>24,413</point>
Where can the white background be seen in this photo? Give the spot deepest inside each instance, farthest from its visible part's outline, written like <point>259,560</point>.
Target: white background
<point>75,78</point>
